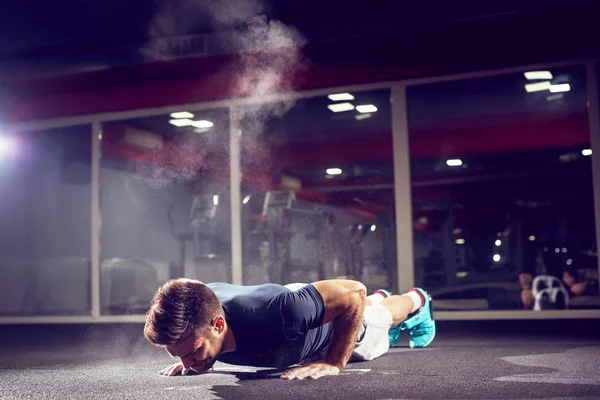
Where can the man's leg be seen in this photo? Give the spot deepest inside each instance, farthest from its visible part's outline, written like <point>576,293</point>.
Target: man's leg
<point>410,311</point>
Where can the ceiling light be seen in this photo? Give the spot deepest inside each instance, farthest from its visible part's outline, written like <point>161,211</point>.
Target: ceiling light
<point>341,97</point>
<point>216,200</point>
<point>202,124</point>
<point>373,228</point>
<point>367,108</point>
<point>532,238</point>
<point>341,107</point>
<point>181,122</point>
<point>247,199</point>
<point>497,257</point>
<point>565,87</point>
<point>454,163</point>
<point>183,114</point>
<point>498,243</point>
<point>334,171</point>
<point>537,87</point>
<point>460,241</point>
<point>534,75</point>
<point>586,152</point>
<point>554,97</point>
<point>360,117</point>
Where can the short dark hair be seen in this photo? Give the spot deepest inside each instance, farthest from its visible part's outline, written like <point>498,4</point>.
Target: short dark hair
<point>180,307</point>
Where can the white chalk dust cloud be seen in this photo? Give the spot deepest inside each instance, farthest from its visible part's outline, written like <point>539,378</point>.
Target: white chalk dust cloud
<point>240,27</point>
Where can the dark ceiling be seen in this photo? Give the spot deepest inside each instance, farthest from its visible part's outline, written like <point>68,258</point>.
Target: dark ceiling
<point>68,36</point>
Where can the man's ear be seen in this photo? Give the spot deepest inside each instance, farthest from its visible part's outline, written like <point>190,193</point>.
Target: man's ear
<point>218,324</point>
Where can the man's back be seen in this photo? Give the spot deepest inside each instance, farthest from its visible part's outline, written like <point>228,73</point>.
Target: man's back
<point>273,326</point>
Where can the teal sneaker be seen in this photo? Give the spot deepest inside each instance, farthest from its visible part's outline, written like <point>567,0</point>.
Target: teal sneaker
<point>420,324</point>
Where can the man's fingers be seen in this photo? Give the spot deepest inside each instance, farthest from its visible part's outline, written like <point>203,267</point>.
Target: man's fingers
<point>171,370</point>
<point>300,373</point>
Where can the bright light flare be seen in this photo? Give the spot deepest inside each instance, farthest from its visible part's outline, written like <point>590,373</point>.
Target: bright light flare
<point>7,146</point>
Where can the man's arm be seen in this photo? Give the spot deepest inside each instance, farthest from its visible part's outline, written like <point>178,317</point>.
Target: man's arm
<point>344,303</point>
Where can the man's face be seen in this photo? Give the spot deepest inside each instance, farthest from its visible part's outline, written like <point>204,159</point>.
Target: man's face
<point>198,352</point>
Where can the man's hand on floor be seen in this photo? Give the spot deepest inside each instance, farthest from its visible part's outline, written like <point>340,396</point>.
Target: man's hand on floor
<point>312,371</point>
<point>174,369</point>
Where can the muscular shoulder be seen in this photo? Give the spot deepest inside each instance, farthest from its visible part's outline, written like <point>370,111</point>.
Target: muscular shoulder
<point>300,310</point>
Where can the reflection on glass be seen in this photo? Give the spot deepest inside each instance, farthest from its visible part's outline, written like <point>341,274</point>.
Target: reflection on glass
<point>317,190</point>
<point>45,222</point>
<point>502,192</point>
<point>165,205</point>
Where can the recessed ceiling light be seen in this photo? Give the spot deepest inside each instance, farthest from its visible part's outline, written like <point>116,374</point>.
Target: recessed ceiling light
<point>367,108</point>
<point>537,87</point>
<point>202,124</point>
<point>341,107</point>
<point>183,114</point>
<point>360,117</point>
<point>454,163</point>
<point>334,171</point>
<point>534,75</point>
<point>341,97</point>
<point>181,122</point>
<point>565,87</point>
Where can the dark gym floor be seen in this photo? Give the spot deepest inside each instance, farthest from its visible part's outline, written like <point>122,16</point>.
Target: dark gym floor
<point>485,360</point>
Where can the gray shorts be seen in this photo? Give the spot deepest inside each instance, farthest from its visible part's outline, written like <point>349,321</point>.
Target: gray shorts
<point>374,342</point>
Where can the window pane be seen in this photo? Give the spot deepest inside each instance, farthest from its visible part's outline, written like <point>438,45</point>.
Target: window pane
<point>165,204</point>
<point>502,191</point>
<point>45,218</point>
<point>318,200</point>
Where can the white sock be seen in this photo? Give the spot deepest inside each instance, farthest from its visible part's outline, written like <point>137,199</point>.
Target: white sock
<point>376,298</point>
<point>416,298</point>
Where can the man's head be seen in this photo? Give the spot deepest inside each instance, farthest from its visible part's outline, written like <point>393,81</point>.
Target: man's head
<point>187,319</point>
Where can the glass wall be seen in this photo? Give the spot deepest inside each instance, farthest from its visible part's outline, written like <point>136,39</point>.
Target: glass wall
<point>165,205</point>
<point>502,192</point>
<point>45,187</point>
<point>317,190</point>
